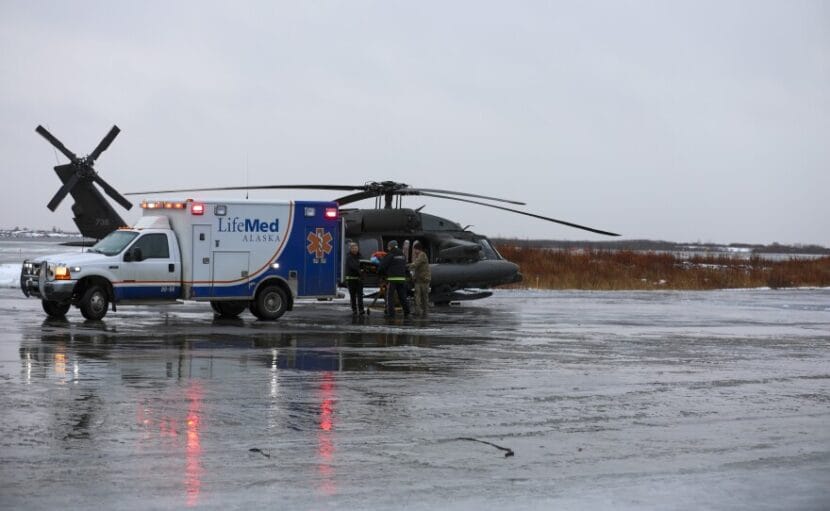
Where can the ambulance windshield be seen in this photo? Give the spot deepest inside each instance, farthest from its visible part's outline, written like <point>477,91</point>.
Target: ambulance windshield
<point>114,242</point>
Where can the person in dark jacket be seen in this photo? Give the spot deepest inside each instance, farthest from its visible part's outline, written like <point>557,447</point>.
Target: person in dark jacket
<point>354,279</point>
<point>393,267</point>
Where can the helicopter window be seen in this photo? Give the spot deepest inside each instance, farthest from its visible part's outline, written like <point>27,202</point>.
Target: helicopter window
<point>368,246</point>
<point>487,250</point>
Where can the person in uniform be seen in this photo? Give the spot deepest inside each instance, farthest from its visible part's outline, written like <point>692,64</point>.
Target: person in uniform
<point>354,279</point>
<point>393,267</point>
<point>420,277</point>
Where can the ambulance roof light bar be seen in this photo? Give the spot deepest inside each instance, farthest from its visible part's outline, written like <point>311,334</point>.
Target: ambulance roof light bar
<point>162,205</point>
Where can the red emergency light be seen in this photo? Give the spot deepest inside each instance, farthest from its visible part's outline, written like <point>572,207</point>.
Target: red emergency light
<point>197,208</point>
<point>331,213</point>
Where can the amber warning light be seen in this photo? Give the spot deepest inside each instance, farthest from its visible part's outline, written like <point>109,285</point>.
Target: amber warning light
<point>331,213</point>
<point>162,205</point>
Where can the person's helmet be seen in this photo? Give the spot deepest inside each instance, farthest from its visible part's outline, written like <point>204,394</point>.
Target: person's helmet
<point>392,244</point>
<point>417,244</point>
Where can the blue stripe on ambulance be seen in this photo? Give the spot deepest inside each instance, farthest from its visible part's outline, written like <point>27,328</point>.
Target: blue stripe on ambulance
<point>139,292</point>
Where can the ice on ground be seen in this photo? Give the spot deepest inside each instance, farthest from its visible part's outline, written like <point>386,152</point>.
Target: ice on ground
<point>609,400</point>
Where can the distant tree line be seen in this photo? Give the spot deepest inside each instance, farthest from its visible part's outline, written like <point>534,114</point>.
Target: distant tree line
<point>663,246</point>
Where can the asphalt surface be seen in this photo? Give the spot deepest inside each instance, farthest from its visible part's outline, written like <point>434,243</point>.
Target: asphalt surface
<point>618,400</point>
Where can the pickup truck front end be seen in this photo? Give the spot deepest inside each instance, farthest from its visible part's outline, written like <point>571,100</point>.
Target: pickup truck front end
<point>48,281</point>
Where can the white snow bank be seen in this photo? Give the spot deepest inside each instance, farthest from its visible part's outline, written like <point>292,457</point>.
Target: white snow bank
<point>10,275</point>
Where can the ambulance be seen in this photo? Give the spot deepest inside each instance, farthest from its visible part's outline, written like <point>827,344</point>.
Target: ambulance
<point>237,255</point>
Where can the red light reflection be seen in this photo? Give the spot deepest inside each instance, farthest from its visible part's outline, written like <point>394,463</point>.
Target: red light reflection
<point>193,446</point>
<point>176,434</point>
<point>325,441</point>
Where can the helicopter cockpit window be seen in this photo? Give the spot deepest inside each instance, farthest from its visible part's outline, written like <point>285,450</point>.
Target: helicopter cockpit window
<point>487,250</point>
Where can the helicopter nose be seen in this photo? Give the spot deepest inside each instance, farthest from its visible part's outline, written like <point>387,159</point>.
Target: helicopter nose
<point>510,272</point>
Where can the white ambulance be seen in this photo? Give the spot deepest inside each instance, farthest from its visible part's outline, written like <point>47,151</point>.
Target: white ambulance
<point>234,254</point>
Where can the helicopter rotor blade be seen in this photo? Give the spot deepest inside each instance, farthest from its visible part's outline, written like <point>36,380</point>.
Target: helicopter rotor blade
<point>262,187</point>
<point>104,144</point>
<point>63,191</point>
<point>418,191</point>
<point>57,143</point>
<point>569,224</point>
<point>112,192</point>
<point>355,197</point>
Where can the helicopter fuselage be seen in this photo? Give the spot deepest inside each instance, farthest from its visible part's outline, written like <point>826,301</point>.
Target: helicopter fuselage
<point>460,260</point>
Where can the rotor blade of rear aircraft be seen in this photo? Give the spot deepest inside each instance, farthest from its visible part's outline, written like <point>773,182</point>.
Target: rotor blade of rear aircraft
<point>65,189</point>
<point>105,143</point>
<point>429,190</point>
<point>112,192</point>
<point>569,224</point>
<point>57,143</point>
<point>262,187</point>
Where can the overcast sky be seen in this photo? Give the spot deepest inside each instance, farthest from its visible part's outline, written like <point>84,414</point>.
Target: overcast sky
<point>683,121</point>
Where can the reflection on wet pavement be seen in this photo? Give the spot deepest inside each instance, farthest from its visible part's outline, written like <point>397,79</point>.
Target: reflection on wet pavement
<point>603,397</point>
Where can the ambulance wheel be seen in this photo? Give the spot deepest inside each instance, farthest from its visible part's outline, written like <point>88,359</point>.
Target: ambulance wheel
<point>94,303</point>
<point>270,303</point>
<point>228,309</point>
<point>55,309</point>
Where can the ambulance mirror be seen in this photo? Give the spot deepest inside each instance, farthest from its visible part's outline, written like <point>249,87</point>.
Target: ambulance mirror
<point>135,254</point>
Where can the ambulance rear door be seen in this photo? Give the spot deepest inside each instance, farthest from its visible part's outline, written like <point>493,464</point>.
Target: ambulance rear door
<point>321,261</point>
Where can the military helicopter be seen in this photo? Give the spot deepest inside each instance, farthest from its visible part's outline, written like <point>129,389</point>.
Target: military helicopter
<point>94,215</point>
<point>463,264</point>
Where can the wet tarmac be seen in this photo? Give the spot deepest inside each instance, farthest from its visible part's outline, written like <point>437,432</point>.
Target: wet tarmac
<point>618,400</point>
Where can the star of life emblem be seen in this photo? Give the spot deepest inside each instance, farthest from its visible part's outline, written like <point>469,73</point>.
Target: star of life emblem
<point>319,244</point>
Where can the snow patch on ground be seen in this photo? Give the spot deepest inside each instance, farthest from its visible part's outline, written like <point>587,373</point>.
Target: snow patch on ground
<point>9,275</point>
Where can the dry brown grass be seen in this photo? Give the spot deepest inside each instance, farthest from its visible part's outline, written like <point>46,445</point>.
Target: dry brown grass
<point>607,270</point>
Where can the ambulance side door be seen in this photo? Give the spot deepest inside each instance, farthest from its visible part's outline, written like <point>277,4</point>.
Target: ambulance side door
<point>152,268</point>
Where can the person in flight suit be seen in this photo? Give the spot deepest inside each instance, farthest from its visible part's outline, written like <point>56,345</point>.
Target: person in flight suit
<point>354,279</point>
<point>393,267</point>
<point>421,277</point>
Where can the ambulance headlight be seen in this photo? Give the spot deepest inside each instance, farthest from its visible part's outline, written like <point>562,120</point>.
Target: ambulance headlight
<point>28,267</point>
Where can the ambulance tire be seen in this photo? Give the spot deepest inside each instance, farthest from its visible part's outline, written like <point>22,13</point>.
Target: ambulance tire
<point>228,309</point>
<point>94,303</point>
<point>55,309</point>
<point>270,303</point>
